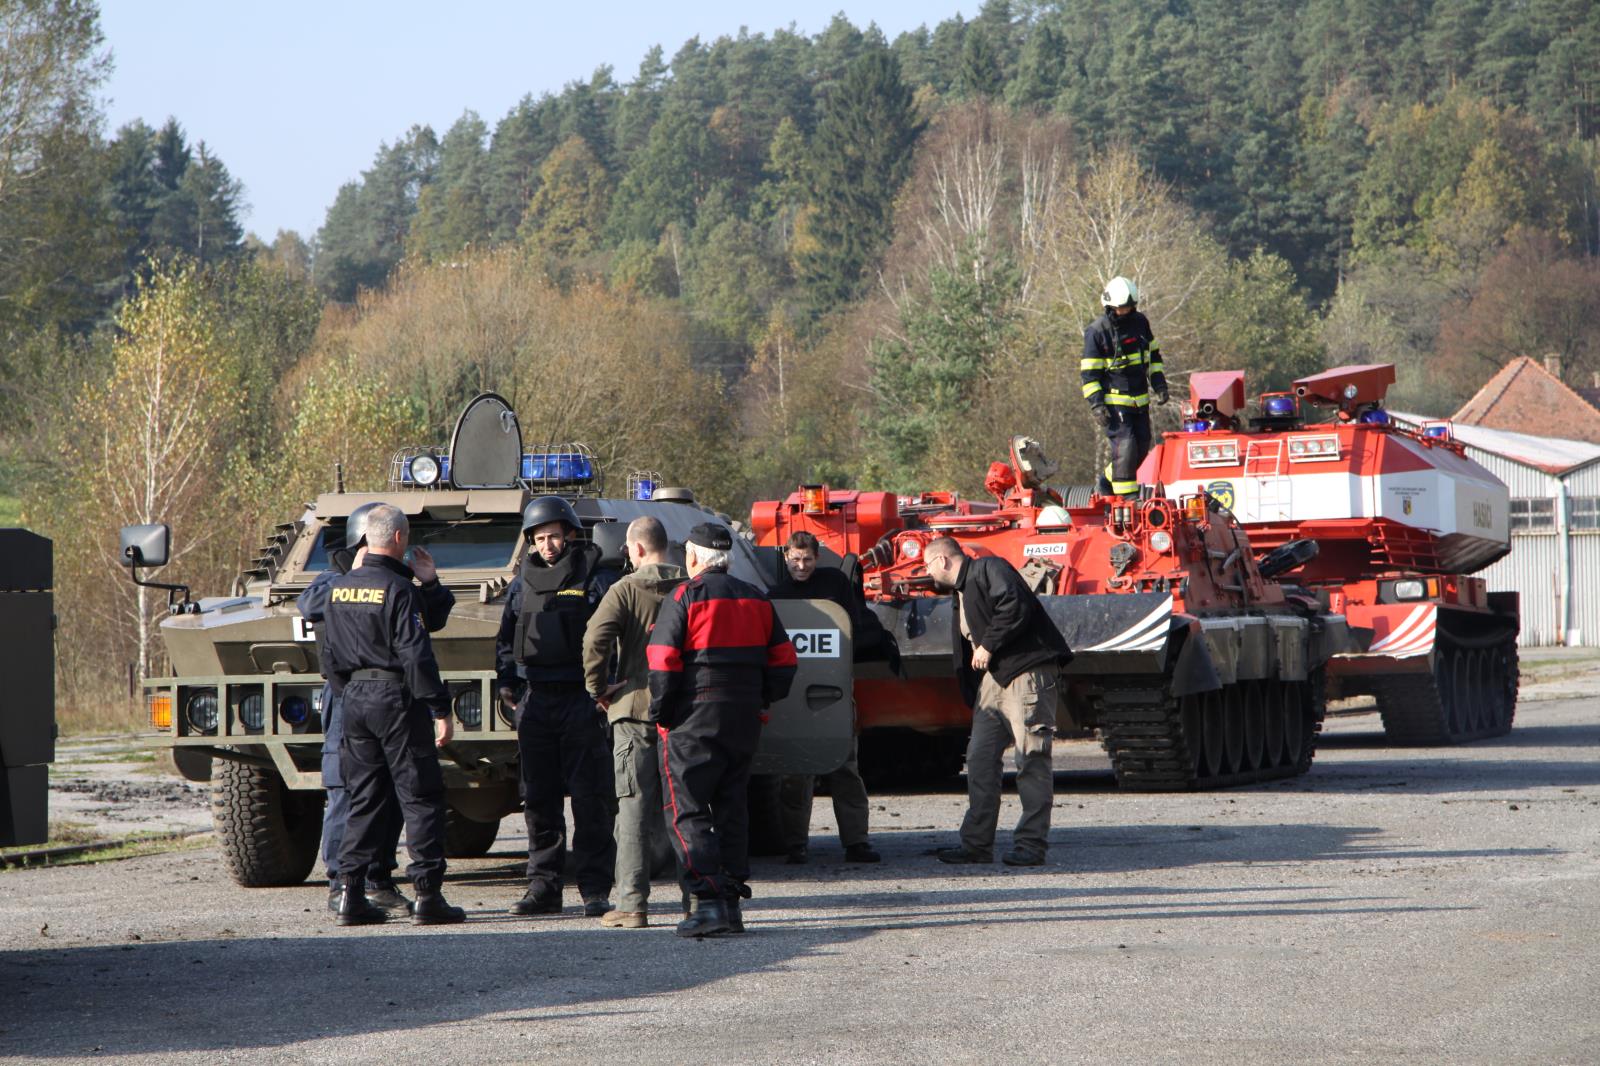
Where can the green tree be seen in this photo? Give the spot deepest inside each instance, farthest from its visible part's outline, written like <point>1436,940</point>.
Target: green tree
<point>565,217</point>
<point>861,155</point>
<point>925,380</point>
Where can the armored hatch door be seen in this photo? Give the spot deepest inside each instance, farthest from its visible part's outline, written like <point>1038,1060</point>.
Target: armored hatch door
<point>810,731</point>
<point>486,447</point>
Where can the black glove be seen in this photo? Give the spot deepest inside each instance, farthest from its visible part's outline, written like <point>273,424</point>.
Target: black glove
<point>1161,393</point>
<point>508,696</point>
<point>1101,414</point>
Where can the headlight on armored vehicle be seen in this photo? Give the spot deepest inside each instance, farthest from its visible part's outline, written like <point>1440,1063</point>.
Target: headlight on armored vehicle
<point>1161,541</point>
<point>469,707</point>
<point>294,709</point>
<point>1409,590</point>
<point>253,711</point>
<point>200,710</point>
<point>424,470</point>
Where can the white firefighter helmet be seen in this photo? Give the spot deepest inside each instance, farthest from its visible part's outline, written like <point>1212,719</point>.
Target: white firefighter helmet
<point>1119,292</point>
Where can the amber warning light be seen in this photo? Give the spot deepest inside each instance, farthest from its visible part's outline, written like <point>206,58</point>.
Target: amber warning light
<point>814,499</point>
<point>161,710</point>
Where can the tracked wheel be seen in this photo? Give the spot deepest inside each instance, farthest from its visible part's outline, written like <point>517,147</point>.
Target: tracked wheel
<point>1233,727</point>
<point>1469,694</point>
<point>1255,726</point>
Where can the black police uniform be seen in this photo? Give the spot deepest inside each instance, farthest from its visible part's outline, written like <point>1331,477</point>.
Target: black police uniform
<point>381,664</point>
<point>437,602</point>
<point>1120,366</point>
<point>562,738</point>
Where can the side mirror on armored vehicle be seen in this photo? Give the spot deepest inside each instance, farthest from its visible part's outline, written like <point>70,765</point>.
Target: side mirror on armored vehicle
<point>146,545</point>
<point>151,546</point>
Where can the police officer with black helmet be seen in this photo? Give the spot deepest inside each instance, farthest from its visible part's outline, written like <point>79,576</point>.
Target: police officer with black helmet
<point>380,661</point>
<point>562,741</point>
<point>312,603</point>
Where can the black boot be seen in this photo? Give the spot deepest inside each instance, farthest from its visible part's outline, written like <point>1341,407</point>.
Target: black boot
<point>385,896</point>
<point>354,908</point>
<point>735,916</point>
<point>431,909</point>
<point>537,901</point>
<point>335,893</point>
<point>710,918</point>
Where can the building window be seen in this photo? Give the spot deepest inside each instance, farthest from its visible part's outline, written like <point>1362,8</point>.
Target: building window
<point>1533,514</point>
<point>1585,513</point>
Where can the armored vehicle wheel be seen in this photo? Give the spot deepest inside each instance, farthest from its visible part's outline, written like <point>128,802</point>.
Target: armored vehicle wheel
<point>467,838</point>
<point>1275,693</point>
<point>1255,726</point>
<point>268,832</point>
<point>1233,728</point>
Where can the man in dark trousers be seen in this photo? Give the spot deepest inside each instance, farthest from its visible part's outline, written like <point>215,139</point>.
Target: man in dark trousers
<point>718,658</point>
<point>562,741</point>
<point>1008,654</point>
<point>808,581</point>
<point>312,603</point>
<point>381,664</point>
<point>619,633</point>
<point>1121,368</point>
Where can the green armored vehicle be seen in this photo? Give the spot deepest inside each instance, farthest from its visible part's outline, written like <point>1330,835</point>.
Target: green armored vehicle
<point>243,706</point>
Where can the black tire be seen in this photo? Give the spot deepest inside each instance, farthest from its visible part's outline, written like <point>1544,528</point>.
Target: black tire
<point>268,833</point>
<point>465,838</point>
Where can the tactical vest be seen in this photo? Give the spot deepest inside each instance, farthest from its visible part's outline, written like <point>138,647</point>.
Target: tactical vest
<point>555,609</point>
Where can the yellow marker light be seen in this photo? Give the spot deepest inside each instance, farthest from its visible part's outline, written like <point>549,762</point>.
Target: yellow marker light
<point>160,710</point>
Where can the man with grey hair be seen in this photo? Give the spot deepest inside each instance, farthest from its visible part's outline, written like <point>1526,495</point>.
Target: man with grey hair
<point>380,662</point>
<point>718,658</point>
<point>621,625</point>
<point>1008,654</point>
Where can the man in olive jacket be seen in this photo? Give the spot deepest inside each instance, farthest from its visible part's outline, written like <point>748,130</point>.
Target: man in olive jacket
<point>1008,655</point>
<point>622,623</point>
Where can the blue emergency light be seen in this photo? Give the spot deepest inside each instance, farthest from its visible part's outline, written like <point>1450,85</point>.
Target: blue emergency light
<point>643,489</point>
<point>1198,425</point>
<point>566,467</point>
<point>1376,418</point>
<point>1437,431</point>
<point>1279,407</point>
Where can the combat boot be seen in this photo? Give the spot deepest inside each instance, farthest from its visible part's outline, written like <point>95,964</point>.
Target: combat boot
<point>387,898</point>
<point>431,909</point>
<point>710,918</point>
<point>354,908</point>
<point>735,916</point>
<point>537,901</point>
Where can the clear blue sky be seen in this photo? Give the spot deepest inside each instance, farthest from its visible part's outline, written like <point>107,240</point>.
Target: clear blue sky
<point>295,97</point>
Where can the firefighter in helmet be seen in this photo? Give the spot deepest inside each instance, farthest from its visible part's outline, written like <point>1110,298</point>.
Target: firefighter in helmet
<point>1122,370</point>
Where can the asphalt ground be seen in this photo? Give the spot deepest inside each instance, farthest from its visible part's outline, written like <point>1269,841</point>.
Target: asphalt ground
<point>1394,905</point>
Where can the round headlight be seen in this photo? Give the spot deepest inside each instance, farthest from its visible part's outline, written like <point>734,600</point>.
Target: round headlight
<point>911,549</point>
<point>294,710</point>
<point>1297,447</point>
<point>252,712</point>
<point>424,470</point>
<point>469,708</point>
<point>201,711</point>
<point>1161,541</point>
<point>1350,392</point>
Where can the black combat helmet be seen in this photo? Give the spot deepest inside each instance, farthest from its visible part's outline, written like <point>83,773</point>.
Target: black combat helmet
<point>355,527</point>
<point>548,509</point>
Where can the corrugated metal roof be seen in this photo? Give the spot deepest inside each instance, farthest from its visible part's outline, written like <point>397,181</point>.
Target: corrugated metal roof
<point>1554,455</point>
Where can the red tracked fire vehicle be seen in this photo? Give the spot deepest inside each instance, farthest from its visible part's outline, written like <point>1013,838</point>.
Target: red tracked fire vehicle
<point>1402,516</point>
<point>1196,668</point>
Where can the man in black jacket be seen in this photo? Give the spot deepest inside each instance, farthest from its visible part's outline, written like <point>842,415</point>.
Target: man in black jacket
<point>1008,654</point>
<point>718,656</point>
<point>562,740</point>
<point>809,582</point>
<point>381,664</point>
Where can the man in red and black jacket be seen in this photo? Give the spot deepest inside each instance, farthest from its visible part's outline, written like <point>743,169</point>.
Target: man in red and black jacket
<point>718,658</point>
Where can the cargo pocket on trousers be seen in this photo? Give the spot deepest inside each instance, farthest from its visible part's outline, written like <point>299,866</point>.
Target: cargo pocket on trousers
<point>623,771</point>
<point>1039,711</point>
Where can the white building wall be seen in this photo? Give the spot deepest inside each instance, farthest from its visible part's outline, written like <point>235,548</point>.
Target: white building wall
<point>1557,572</point>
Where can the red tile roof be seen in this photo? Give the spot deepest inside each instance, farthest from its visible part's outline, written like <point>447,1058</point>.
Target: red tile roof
<point>1524,397</point>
